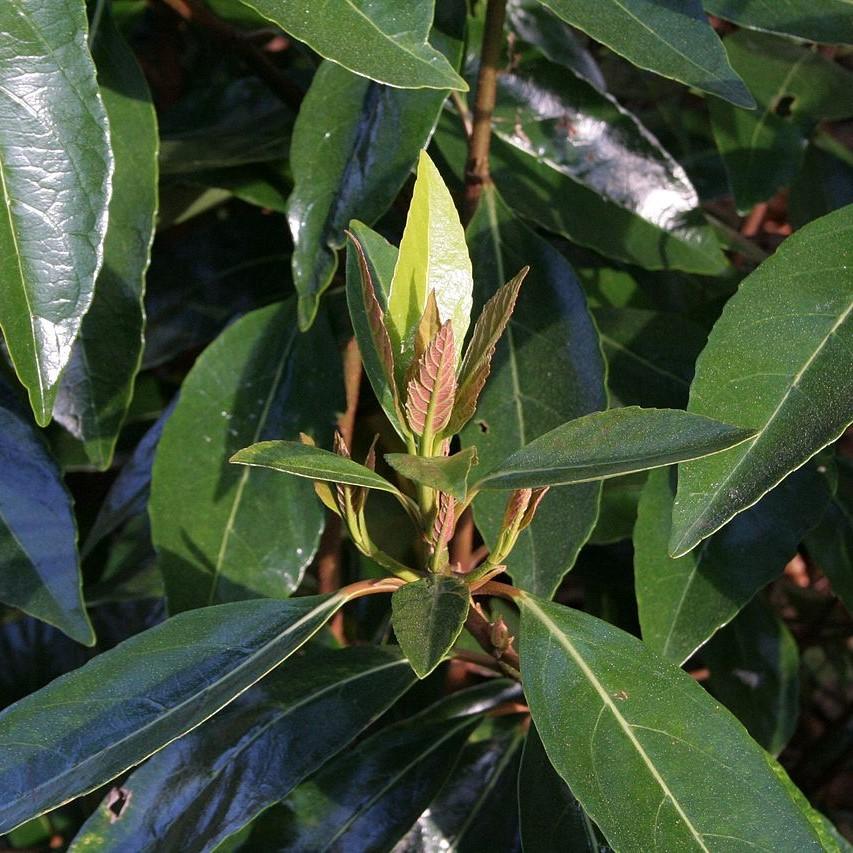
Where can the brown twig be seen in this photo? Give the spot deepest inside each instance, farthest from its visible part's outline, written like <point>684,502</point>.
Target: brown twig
<point>329,553</point>
<point>477,167</point>
<point>481,630</point>
<point>195,12</point>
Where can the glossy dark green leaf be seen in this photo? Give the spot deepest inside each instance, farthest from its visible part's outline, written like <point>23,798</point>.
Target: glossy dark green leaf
<point>551,817</point>
<point>428,615</point>
<point>55,170</point>
<point>223,531</point>
<point>475,811</point>
<point>777,361</point>
<point>214,780</point>
<point>94,723</point>
<point>39,570</point>
<point>826,21</point>
<point>830,543</point>
<point>445,473</point>
<point>628,732</point>
<point>683,602</point>
<point>561,204</point>
<point>547,368</point>
<point>351,167</point>
<point>611,443</point>
<point>754,666</point>
<point>97,386</point>
<point>385,40</point>
<point>671,38</point>
<point>795,87</point>
<point>292,457</point>
<point>369,797</point>
<point>823,184</point>
<point>650,355</point>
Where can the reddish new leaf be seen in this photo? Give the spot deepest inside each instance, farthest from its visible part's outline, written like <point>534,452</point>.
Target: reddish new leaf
<point>478,357</point>
<point>445,520</point>
<point>432,389</point>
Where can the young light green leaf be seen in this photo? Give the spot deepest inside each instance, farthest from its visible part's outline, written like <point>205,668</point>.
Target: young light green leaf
<point>97,386</point>
<point>385,40</point>
<point>428,616</point>
<point>627,730</point>
<point>778,362</point>
<point>433,256</point>
<point>477,362</point>
<point>292,457</point>
<point>827,21</point>
<point>550,325</point>
<point>432,389</point>
<point>353,166</point>
<point>611,443</point>
<point>89,726</point>
<point>214,780</point>
<point>370,266</point>
<point>683,602</point>
<point>674,40</point>
<point>227,532</point>
<point>444,473</point>
<point>39,568</point>
<point>55,172</point>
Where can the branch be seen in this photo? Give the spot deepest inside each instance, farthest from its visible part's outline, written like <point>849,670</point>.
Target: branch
<point>477,167</point>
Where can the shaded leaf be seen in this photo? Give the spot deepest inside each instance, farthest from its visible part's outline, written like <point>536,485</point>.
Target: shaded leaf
<point>226,532</point>
<point>626,731</point>
<point>432,256</point>
<point>547,368</point>
<point>777,361</point>
<point>432,389</point>
<point>39,569</point>
<point>97,386</point>
<point>428,615</point>
<point>618,511</point>
<point>383,40</point>
<point>444,473</point>
<point>673,39</point>
<point>54,186</point>
<point>611,443</point>
<point>682,602</point>
<point>215,779</point>
<point>94,723</point>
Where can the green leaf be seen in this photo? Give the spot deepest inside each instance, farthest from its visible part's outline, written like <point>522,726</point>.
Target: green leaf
<point>683,601</point>
<point>432,256</point>
<point>97,386</point>
<point>369,796</point>
<point>428,616</point>
<point>618,511</point>
<point>628,732</point>
<point>827,21</point>
<point>214,780</point>
<point>556,201</point>
<point>830,543</point>
<point>89,726</point>
<point>353,166</point>
<point>39,570</point>
<point>447,474</point>
<point>474,811</point>
<point>382,40</point>
<point>292,457</point>
<point>778,362</point>
<point>551,817</point>
<point>370,267</point>
<point>673,39</point>
<point>55,170</point>
<point>612,443</point>
<point>824,183</point>
<point>795,87</point>
<point>547,368</point>
<point>650,355</point>
<point>226,532</point>
<point>754,666</point>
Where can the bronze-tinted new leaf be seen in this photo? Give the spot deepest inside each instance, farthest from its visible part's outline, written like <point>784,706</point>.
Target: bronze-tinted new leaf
<point>478,357</point>
<point>432,389</point>
<point>445,520</point>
